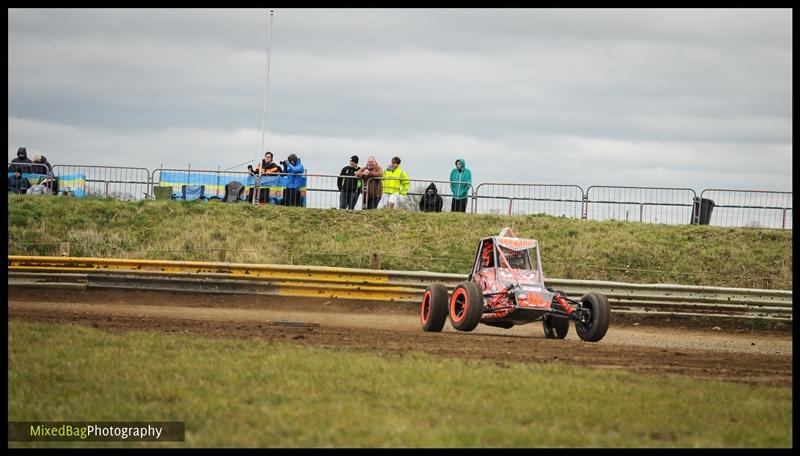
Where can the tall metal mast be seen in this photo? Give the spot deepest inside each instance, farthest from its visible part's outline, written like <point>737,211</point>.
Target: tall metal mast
<point>264,95</point>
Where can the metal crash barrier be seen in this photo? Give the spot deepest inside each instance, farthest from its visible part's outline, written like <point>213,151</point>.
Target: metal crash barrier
<point>367,284</point>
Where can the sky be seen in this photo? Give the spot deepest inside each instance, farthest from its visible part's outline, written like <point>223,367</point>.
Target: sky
<point>648,97</point>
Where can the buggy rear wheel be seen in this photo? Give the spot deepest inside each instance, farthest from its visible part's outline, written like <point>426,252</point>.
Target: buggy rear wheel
<point>595,317</point>
<point>466,306</point>
<point>555,327</point>
<point>433,310</point>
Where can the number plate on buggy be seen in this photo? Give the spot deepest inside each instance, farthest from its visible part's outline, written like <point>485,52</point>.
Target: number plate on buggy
<point>531,300</point>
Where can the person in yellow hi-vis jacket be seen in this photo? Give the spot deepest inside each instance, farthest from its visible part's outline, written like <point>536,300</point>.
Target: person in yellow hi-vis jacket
<point>395,185</point>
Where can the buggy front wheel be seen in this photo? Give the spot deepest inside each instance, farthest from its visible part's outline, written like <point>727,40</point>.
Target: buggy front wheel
<point>595,316</point>
<point>466,306</point>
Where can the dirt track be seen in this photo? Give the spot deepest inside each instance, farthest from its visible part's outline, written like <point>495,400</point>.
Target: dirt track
<point>394,328</point>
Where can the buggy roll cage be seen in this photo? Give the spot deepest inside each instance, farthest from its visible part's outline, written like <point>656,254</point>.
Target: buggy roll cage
<point>506,239</point>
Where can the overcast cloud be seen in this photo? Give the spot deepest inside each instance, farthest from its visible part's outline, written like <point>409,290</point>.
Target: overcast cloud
<point>663,98</point>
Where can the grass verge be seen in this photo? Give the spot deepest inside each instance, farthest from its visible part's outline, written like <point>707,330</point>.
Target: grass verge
<point>441,242</point>
<point>250,393</point>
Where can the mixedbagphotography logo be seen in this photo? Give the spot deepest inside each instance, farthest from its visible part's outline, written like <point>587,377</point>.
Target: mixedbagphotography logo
<point>96,431</point>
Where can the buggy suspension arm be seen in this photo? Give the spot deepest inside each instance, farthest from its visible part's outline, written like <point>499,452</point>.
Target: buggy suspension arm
<point>561,313</point>
<point>495,309</point>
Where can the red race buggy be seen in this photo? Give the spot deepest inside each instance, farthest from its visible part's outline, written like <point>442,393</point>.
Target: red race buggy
<point>506,288</point>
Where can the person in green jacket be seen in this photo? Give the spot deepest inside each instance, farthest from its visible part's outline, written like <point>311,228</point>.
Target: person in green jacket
<point>460,181</point>
<point>395,185</point>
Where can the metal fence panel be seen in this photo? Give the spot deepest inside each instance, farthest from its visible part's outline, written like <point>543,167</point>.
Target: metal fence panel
<point>214,181</point>
<point>750,208</point>
<point>34,173</point>
<point>27,168</point>
<point>117,182</point>
<point>323,192</point>
<point>521,199</point>
<point>640,204</point>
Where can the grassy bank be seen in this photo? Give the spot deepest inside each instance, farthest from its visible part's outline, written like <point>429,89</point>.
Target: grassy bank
<point>253,393</point>
<point>443,242</point>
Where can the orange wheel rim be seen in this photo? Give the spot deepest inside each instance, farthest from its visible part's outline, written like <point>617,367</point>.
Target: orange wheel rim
<point>425,310</point>
<point>458,305</point>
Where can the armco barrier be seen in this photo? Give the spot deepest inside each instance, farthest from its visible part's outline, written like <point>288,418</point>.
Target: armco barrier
<point>401,286</point>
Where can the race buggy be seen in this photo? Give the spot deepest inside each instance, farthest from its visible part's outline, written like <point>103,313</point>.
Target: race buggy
<point>506,288</point>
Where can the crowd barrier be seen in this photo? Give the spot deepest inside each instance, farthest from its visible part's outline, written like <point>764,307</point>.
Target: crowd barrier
<point>751,208</point>
<point>272,188</point>
<point>522,199</point>
<point>117,182</point>
<point>640,204</point>
<point>717,207</point>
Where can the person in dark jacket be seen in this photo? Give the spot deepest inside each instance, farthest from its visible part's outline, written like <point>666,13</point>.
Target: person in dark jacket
<point>349,185</point>
<point>23,163</point>
<point>431,201</point>
<point>17,183</point>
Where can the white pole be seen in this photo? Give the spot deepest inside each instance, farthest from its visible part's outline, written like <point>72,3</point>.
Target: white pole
<point>265,93</point>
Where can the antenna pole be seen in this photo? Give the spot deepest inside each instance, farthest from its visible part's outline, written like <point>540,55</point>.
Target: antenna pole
<point>265,93</point>
<point>257,180</point>
<point>268,45</point>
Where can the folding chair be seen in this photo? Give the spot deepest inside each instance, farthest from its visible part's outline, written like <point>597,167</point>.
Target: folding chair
<point>193,192</point>
<point>162,192</point>
<point>233,191</point>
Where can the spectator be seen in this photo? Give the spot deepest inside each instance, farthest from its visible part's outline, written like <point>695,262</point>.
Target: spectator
<point>431,201</point>
<point>22,161</point>
<point>267,167</point>
<point>370,175</point>
<point>294,167</point>
<point>395,185</point>
<point>349,185</point>
<point>42,166</point>
<point>460,181</point>
<point>17,183</point>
